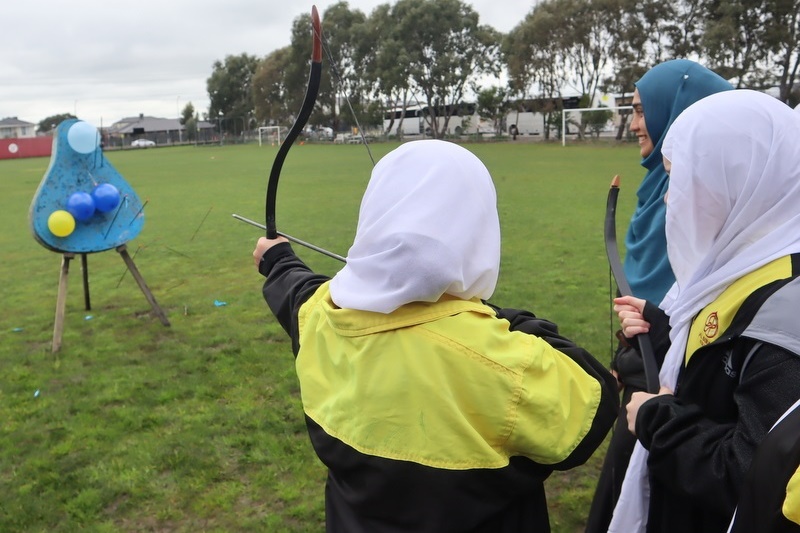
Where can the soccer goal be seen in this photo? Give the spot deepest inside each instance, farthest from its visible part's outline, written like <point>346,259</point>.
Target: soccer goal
<point>610,118</point>
<point>270,134</point>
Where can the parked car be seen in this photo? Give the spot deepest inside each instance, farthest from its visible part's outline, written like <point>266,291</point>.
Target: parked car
<point>142,143</point>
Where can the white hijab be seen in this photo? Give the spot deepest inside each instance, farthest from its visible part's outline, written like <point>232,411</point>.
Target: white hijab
<point>733,206</point>
<point>428,226</point>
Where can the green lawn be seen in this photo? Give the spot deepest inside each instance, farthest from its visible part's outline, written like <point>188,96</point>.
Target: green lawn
<point>133,426</point>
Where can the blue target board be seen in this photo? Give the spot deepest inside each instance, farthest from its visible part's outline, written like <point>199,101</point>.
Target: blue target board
<point>83,204</point>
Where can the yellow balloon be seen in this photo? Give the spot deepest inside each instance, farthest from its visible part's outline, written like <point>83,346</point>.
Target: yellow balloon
<point>61,223</point>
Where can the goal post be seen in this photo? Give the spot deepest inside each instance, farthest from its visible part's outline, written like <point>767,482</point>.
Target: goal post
<point>270,133</point>
<point>615,110</point>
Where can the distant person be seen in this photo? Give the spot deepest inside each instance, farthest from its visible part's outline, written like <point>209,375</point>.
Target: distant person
<point>432,410</point>
<point>658,98</point>
<point>732,365</point>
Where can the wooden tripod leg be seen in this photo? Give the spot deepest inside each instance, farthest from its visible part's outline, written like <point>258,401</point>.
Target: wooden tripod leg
<point>61,302</point>
<point>123,251</point>
<point>85,270</point>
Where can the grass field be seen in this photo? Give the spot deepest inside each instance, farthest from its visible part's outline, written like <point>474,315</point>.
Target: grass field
<point>133,426</point>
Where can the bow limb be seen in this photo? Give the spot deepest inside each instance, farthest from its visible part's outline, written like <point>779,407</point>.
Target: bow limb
<point>314,77</point>
<point>612,251</point>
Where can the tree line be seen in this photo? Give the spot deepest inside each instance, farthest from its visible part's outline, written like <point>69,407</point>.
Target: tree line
<point>436,54</point>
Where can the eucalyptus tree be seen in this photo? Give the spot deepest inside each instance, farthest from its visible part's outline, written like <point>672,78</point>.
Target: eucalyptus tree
<point>641,42</point>
<point>446,48</point>
<point>589,39</point>
<point>783,42</point>
<point>735,38</point>
<point>386,66</point>
<point>269,89</point>
<point>570,44</point>
<point>683,22</point>
<point>189,122</point>
<point>343,31</point>
<point>535,62</point>
<point>50,123</point>
<point>229,90</point>
<point>295,75</point>
<point>493,104</point>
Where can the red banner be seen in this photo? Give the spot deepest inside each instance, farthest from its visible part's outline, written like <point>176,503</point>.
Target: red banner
<point>27,147</point>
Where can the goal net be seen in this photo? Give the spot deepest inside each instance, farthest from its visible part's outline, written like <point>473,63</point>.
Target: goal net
<point>594,122</point>
<point>269,134</point>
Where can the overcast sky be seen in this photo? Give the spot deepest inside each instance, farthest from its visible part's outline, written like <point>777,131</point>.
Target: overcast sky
<point>106,60</point>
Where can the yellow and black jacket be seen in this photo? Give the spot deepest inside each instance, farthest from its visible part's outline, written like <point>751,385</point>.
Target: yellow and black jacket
<point>438,417</point>
<point>741,373</point>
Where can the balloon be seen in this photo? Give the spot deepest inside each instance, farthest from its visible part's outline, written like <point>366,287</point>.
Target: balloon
<point>60,223</point>
<point>106,197</point>
<point>81,206</point>
<point>83,137</point>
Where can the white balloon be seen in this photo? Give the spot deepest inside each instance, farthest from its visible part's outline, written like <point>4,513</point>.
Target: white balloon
<point>83,137</point>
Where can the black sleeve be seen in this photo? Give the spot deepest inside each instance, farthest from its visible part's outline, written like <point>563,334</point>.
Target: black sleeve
<point>289,284</point>
<point>704,459</point>
<point>527,322</point>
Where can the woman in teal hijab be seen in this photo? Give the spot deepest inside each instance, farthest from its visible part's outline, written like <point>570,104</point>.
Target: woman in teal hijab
<point>664,92</point>
<point>660,96</point>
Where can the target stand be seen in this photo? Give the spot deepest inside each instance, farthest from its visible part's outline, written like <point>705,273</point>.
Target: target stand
<point>61,302</point>
<point>82,206</point>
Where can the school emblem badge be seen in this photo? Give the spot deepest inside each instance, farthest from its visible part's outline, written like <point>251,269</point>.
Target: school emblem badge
<point>711,326</point>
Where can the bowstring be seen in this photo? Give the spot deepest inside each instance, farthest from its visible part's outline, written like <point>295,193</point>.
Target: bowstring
<point>326,49</point>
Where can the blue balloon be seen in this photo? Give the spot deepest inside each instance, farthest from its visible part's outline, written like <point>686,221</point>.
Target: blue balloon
<point>81,206</point>
<point>106,197</point>
<point>83,137</point>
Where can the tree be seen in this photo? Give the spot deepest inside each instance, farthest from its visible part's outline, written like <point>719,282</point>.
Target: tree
<point>683,23</point>
<point>230,91</point>
<point>50,123</point>
<point>596,121</point>
<point>295,74</point>
<point>187,113</point>
<point>640,44</point>
<point>589,39</point>
<point>387,66</point>
<point>783,42</point>
<point>446,48</point>
<point>269,89</point>
<point>535,61</point>
<point>346,98</point>
<point>493,104</point>
<point>735,40</point>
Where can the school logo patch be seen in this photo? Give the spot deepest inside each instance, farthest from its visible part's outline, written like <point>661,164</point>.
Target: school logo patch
<point>711,326</point>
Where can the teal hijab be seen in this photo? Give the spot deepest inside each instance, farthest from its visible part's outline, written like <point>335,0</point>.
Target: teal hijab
<point>666,90</point>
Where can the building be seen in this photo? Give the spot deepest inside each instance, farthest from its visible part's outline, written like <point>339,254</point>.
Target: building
<point>14,128</point>
<point>159,130</point>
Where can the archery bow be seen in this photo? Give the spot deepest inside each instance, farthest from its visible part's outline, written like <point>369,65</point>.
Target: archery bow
<point>612,251</point>
<point>314,77</point>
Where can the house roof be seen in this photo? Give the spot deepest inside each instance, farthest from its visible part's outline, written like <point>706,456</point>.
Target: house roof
<point>148,124</point>
<point>131,125</point>
<point>11,122</point>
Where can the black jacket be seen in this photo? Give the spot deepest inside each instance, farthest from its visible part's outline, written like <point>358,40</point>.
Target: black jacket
<point>702,439</point>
